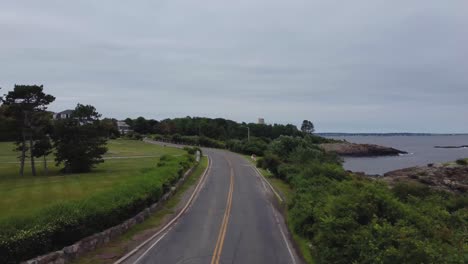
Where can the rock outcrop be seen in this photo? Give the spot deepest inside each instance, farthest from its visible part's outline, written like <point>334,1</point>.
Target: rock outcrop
<point>452,147</point>
<point>450,177</point>
<point>360,150</point>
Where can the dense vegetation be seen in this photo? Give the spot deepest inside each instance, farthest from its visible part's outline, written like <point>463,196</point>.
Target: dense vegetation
<point>349,219</point>
<point>89,202</point>
<point>217,128</point>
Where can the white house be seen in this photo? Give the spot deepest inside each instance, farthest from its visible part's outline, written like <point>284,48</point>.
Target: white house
<point>63,115</point>
<point>123,127</point>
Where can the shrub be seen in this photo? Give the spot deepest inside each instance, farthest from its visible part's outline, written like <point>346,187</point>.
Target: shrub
<point>287,171</point>
<point>271,162</point>
<point>133,136</point>
<point>404,190</point>
<point>165,157</point>
<point>192,150</point>
<point>462,162</point>
<point>255,146</point>
<point>158,137</point>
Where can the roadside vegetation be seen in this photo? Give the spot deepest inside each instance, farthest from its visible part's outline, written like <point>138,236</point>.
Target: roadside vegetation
<point>337,217</point>
<point>41,214</point>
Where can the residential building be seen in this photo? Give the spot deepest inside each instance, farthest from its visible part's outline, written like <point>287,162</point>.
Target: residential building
<point>123,127</point>
<point>63,115</point>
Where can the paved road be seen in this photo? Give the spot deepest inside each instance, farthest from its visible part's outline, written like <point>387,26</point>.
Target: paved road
<point>231,221</point>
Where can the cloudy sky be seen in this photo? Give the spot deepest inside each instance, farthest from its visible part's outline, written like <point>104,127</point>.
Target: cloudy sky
<point>356,66</point>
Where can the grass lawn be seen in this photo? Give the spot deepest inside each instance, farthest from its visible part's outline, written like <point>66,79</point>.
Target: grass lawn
<point>22,195</point>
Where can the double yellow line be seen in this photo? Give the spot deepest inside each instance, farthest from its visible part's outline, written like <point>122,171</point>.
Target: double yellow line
<point>224,224</point>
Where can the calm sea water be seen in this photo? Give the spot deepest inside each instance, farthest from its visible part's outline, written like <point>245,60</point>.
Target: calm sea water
<point>421,149</point>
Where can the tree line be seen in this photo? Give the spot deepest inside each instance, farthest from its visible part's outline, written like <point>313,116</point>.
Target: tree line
<point>78,142</point>
<point>216,128</point>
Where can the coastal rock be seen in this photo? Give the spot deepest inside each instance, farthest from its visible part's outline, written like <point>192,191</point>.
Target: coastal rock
<point>450,177</point>
<point>452,147</point>
<point>360,150</point>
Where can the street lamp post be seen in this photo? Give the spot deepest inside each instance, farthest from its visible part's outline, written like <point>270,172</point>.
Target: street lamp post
<point>248,133</point>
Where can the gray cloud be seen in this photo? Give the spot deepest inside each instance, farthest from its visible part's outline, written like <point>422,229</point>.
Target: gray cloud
<point>369,65</point>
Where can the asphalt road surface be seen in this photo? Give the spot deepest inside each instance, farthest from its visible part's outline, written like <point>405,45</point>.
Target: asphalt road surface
<point>232,220</point>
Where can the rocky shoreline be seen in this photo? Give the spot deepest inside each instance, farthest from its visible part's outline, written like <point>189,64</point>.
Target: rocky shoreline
<point>452,147</point>
<point>452,177</point>
<point>360,150</point>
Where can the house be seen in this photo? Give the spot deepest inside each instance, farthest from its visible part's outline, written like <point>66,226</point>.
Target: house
<point>63,115</point>
<point>261,121</point>
<point>123,127</point>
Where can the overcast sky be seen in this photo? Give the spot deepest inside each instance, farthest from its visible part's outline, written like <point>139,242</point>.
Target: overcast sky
<point>355,66</point>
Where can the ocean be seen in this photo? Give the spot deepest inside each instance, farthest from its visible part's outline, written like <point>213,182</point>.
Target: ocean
<point>421,151</point>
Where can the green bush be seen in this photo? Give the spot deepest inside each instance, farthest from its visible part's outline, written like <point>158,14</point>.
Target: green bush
<point>462,162</point>
<point>350,219</point>
<point>192,150</point>
<point>362,221</point>
<point>133,136</point>
<point>271,162</point>
<point>404,191</point>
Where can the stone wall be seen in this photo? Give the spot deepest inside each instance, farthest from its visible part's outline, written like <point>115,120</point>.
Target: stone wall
<point>92,242</point>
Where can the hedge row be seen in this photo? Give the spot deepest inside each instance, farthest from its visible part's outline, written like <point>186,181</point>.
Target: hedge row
<point>190,140</point>
<point>64,223</point>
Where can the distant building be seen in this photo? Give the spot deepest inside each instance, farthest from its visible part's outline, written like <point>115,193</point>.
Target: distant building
<point>261,121</point>
<point>123,127</point>
<point>63,115</point>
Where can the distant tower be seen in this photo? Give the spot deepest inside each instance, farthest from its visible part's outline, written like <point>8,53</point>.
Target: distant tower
<point>261,121</point>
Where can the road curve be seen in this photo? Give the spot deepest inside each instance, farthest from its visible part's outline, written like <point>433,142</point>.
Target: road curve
<point>232,220</point>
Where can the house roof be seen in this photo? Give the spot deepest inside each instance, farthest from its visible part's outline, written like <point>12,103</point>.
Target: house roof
<point>66,112</point>
<point>122,124</point>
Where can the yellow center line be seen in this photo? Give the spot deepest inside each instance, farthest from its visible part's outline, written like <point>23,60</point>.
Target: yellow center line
<point>224,224</point>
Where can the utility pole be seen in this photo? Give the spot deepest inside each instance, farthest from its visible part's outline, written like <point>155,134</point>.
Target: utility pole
<point>248,132</point>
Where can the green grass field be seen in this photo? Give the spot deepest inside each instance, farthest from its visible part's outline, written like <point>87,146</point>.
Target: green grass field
<point>22,195</point>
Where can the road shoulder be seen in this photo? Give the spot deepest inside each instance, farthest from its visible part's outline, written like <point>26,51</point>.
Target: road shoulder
<point>285,193</point>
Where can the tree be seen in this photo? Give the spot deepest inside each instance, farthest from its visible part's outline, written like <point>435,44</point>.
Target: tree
<point>24,104</point>
<point>8,130</point>
<point>110,126</point>
<point>42,143</point>
<point>85,114</point>
<point>307,127</point>
<point>42,148</point>
<point>140,125</point>
<point>80,140</point>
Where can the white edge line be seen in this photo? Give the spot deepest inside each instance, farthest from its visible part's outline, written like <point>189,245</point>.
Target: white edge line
<point>269,184</point>
<point>146,252</point>
<point>286,241</point>
<point>197,189</point>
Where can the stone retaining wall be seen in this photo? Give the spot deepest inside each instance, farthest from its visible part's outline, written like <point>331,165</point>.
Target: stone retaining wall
<point>92,242</point>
